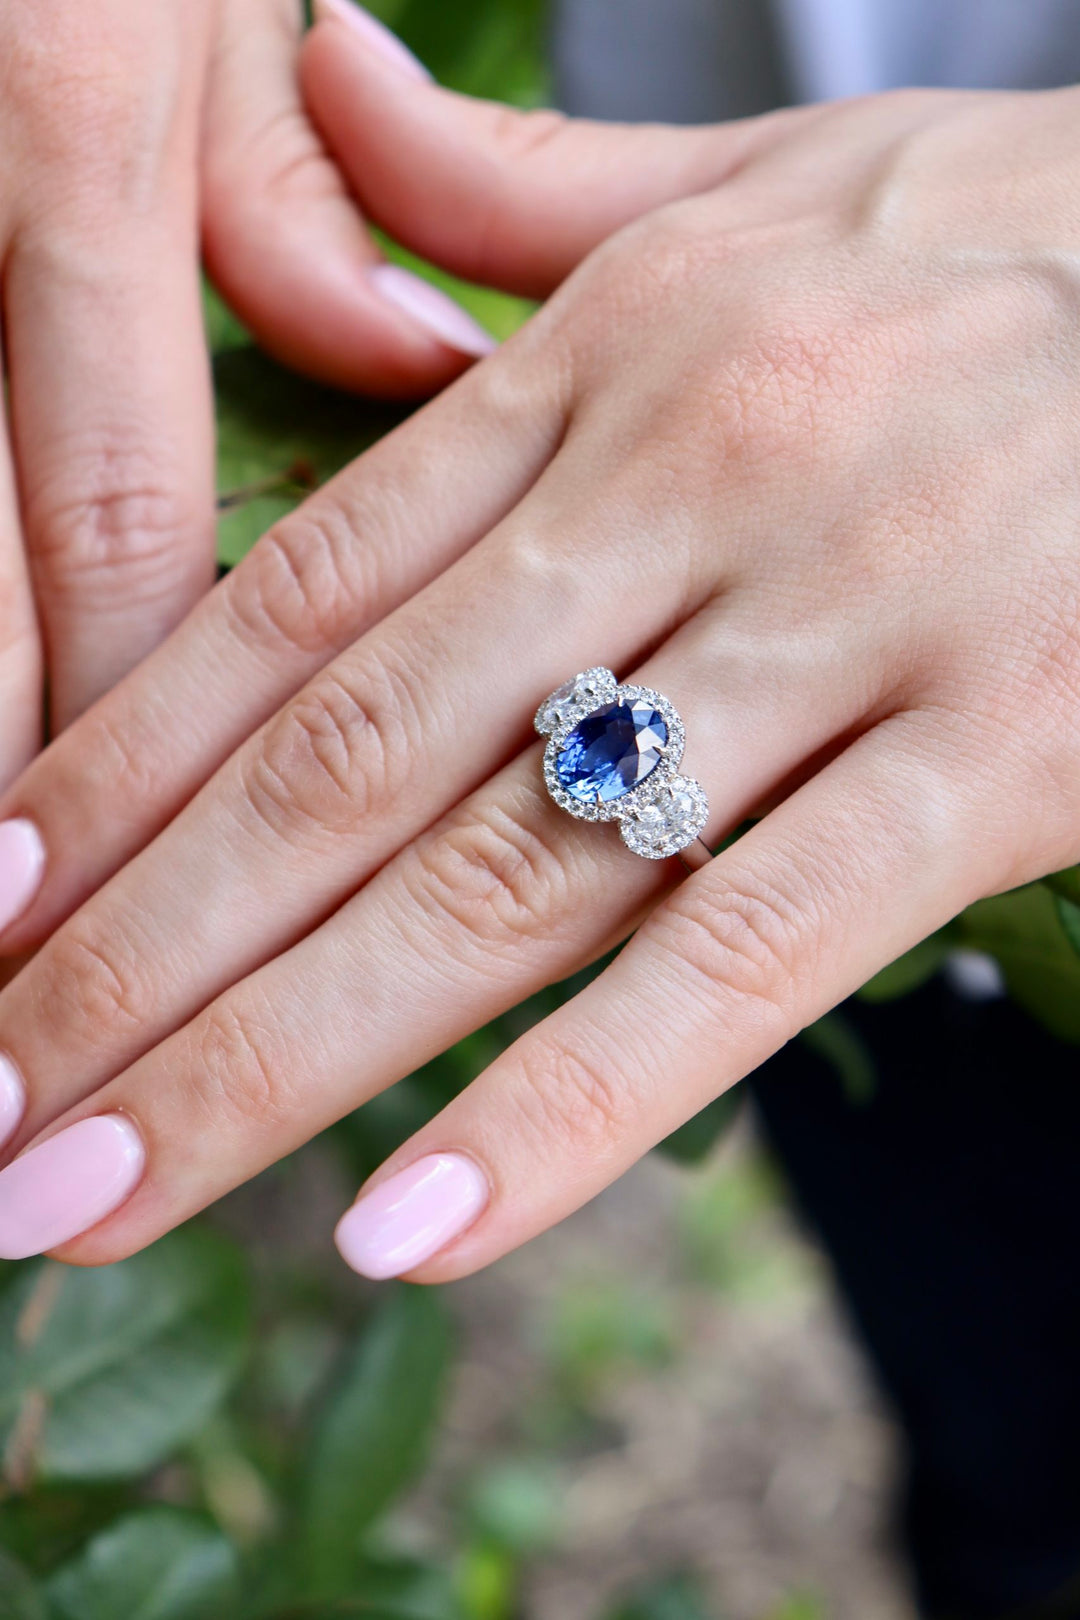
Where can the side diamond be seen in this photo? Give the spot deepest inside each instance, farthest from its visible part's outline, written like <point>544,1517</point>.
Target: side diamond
<point>667,822</point>
<point>575,699</point>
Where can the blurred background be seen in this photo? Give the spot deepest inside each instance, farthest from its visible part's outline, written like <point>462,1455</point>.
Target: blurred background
<point>656,1412</point>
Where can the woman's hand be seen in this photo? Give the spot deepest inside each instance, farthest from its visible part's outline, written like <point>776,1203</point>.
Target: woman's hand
<point>798,451</point>
<point>127,127</point>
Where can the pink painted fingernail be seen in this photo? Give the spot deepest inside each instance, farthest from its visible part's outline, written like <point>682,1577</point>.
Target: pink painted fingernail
<point>67,1184</point>
<point>374,33</point>
<point>432,309</point>
<point>412,1216</point>
<point>12,1099</point>
<point>22,867</point>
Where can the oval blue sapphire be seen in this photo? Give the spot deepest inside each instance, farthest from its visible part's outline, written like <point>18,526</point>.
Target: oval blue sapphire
<point>611,751</point>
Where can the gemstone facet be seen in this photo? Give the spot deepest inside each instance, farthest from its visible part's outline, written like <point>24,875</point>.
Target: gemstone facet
<point>574,699</point>
<point>669,821</point>
<point>611,751</point>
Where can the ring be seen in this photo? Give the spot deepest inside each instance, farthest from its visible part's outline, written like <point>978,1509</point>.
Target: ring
<point>613,754</point>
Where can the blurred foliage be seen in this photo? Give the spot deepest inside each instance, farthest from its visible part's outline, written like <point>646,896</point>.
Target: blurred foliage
<point>196,1434</point>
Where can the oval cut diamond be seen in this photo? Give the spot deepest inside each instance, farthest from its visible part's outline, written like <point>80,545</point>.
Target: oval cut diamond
<point>669,822</point>
<point>611,751</point>
<point>575,698</point>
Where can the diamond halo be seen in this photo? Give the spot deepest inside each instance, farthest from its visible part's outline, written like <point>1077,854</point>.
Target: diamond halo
<point>664,812</point>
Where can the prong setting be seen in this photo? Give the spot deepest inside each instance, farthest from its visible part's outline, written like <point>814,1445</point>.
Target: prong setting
<point>659,815</point>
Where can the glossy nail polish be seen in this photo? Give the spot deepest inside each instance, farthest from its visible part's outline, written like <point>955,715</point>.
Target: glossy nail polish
<point>22,867</point>
<point>67,1184</point>
<point>12,1099</point>
<point>410,1217</point>
<point>430,308</point>
<point>374,34</point>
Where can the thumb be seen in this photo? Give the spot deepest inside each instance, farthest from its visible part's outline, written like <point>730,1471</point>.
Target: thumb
<point>511,199</point>
<point>283,239</point>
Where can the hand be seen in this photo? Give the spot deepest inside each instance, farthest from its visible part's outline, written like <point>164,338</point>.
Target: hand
<point>797,451</point>
<point>125,125</point>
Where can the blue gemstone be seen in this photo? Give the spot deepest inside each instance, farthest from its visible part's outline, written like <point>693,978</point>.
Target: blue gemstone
<point>611,751</point>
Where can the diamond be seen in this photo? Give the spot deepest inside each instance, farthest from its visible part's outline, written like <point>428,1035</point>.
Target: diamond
<point>611,750</point>
<point>574,699</point>
<point>670,821</point>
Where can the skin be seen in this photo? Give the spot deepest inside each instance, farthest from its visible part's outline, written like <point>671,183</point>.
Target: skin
<point>796,447</point>
<point>132,133</point>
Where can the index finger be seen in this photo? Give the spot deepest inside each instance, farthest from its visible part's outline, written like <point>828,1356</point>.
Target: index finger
<point>384,527</point>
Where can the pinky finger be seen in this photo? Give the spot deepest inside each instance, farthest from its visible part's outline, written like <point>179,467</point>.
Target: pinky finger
<point>864,861</point>
<point>21,674</point>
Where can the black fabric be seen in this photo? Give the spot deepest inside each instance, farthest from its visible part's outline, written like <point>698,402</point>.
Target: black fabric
<point>949,1203</point>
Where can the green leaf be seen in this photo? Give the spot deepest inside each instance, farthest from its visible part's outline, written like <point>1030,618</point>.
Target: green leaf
<point>1023,931</point>
<point>20,1596</point>
<point>374,1432</point>
<point>488,1580</point>
<point>104,1372</point>
<point>800,1606</point>
<point>157,1564</point>
<point>487,48</point>
<point>407,1588</point>
<point>676,1599</point>
<point>835,1039</point>
<point>1069,913</point>
<point>279,436</point>
<point>908,972</point>
<point>696,1139</point>
<point>223,328</point>
<point>345,1609</point>
<point>1066,883</point>
<point>516,1506</point>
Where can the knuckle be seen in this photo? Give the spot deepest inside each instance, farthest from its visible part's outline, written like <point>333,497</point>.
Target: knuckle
<point>743,944</point>
<point>298,589</point>
<point>92,982</point>
<point>337,754</point>
<point>650,263</point>
<point>114,765</point>
<point>239,1073</point>
<point>573,1101</point>
<point>115,515</point>
<point>265,165</point>
<point>494,874</point>
<point>524,134</point>
<point>512,388</point>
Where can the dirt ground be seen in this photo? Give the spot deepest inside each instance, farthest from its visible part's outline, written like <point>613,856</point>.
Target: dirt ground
<point>755,1452</point>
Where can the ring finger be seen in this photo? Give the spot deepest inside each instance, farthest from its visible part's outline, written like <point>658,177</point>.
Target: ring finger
<point>505,895</point>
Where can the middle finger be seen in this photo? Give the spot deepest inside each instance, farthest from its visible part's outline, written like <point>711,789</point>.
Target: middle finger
<point>374,749</point>
<point>506,894</point>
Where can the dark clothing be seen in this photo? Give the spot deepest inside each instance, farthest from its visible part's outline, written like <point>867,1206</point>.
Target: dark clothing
<point>949,1204</point>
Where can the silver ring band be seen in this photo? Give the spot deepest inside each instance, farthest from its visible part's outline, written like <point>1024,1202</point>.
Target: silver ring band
<point>613,754</point>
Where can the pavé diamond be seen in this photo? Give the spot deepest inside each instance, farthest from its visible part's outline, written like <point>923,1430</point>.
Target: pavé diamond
<point>611,750</point>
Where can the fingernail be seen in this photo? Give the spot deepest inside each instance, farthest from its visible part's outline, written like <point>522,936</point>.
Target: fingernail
<point>375,33</point>
<point>68,1184</point>
<point>412,1216</point>
<point>22,866</point>
<point>12,1099</point>
<point>432,309</point>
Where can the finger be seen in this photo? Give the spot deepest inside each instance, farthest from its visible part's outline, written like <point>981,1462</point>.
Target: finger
<point>284,240</point>
<point>348,556</point>
<point>508,198</point>
<point>505,895</point>
<point>21,676</point>
<point>863,862</point>
<point>371,752</point>
<point>110,395</point>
